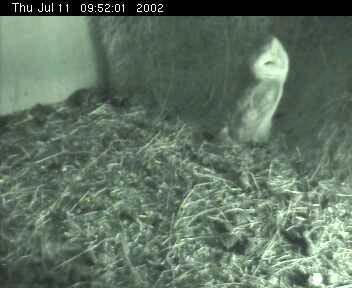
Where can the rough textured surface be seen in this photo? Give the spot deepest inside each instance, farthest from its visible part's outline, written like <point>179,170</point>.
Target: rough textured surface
<point>97,196</point>
<point>316,110</point>
<point>193,67</point>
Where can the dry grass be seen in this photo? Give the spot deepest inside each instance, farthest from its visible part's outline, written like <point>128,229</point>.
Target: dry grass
<point>94,195</point>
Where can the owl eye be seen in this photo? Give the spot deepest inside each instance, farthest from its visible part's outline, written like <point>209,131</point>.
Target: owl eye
<point>269,63</point>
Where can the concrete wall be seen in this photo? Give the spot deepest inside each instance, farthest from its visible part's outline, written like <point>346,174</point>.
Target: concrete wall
<point>43,60</point>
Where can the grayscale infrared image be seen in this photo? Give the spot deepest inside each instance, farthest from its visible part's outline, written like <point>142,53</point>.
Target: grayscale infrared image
<point>175,151</point>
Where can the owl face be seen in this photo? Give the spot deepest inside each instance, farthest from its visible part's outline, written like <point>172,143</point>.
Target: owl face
<point>272,62</point>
